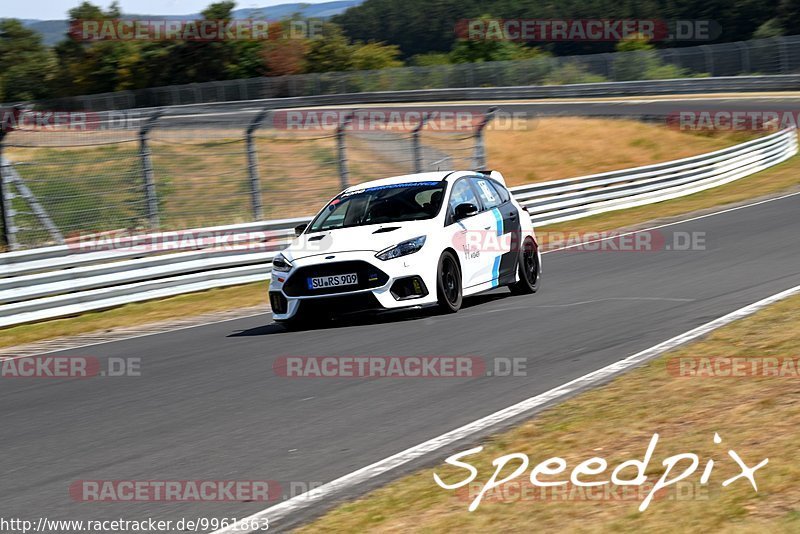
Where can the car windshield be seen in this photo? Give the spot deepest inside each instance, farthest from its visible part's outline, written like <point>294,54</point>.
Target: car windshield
<point>409,201</point>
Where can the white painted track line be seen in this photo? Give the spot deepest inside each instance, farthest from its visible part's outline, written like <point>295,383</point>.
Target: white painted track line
<point>356,478</point>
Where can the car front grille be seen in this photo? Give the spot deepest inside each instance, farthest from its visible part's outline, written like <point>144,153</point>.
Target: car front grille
<point>369,277</point>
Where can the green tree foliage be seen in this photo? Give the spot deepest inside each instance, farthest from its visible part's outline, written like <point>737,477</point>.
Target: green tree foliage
<point>375,35</point>
<point>25,64</point>
<point>642,62</point>
<point>423,26</point>
<point>332,52</point>
<point>375,56</point>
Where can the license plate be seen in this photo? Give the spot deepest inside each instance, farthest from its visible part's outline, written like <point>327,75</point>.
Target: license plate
<point>336,280</point>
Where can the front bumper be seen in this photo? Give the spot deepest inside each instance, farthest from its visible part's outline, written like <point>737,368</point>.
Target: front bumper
<point>383,285</point>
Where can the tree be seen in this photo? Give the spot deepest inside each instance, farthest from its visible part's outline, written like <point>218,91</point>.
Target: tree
<point>329,53</point>
<point>641,62</point>
<point>25,64</point>
<point>375,56</point>
<point>90,67</point>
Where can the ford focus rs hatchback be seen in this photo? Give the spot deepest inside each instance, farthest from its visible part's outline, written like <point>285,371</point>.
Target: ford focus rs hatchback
<point>415,240</point>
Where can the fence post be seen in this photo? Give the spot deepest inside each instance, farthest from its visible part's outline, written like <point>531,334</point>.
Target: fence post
<point>709,56</point>
<point>252,164</point>
<point>151,197</point>
<point>8,231</point>
<point>416,146</point>
<point>341,146</point>
<point>480,149</point>
<point>784,55</point>
<point>744,52</point>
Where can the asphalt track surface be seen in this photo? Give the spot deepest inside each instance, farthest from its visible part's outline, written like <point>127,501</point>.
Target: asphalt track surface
<point>209,405</point>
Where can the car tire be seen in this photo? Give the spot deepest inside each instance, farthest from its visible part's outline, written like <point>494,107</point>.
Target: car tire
<point>529,270</point>
<point>448,283</point>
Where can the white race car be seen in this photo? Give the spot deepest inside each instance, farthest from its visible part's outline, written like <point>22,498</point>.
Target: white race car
<point>415,240</point>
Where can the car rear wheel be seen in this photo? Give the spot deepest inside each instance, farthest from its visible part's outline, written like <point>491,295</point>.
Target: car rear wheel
<point>529,270</point>
<point>448,283</point>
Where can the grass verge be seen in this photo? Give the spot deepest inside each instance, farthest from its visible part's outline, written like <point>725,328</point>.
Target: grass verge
<point>226,298</point>
<point>560,147</point>
<point>783,177</point>
<point>757,417</point>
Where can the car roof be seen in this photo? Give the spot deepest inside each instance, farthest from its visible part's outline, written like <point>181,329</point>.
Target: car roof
<point>436,176</point>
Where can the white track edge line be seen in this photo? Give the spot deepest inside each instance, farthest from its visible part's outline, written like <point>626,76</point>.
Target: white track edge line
<point>362,475</point>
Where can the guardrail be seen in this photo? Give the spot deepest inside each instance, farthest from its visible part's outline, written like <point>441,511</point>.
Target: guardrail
<point>721,84</point>
<point>66,280</point>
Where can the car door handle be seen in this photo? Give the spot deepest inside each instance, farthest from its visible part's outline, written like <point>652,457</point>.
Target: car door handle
<point>488,228</point>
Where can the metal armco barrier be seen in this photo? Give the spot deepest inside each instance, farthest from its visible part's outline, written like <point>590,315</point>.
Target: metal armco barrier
<point>678,86</point>
<point>65,280</point>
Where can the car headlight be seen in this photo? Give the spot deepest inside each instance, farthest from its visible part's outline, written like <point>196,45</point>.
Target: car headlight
<point>280,263</point>
<point>401,249</point>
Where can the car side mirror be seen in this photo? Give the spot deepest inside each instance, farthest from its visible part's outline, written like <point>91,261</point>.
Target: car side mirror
<point>465,210</point>
<point>299,229</point>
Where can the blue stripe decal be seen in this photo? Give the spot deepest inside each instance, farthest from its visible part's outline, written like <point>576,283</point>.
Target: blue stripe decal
<point>499,220</point>
<point>496,271</point>
<point>498,217</point>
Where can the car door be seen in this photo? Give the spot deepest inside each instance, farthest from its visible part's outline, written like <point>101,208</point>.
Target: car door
<point>507,230</point>
<point>465,236</point>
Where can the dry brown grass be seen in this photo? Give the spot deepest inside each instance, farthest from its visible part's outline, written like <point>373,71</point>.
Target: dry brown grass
<point>756,417</point>
<point>565,147</point>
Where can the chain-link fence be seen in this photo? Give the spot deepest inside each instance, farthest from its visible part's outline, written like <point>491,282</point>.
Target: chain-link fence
<point>780,55</point>
<point>66,175</point>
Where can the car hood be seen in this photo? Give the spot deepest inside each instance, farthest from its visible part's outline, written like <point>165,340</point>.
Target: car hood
<point>372,238</point>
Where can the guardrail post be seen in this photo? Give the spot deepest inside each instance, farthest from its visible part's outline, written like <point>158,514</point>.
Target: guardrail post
<point>416,146</point>
<point>709,55</point>
<point>784,55</point>
<point>8,230</point>
<point>479,148</point>
<point>744,51</point>
<point>341,147</point>
<point>252,164</point>
<point>151,198</point>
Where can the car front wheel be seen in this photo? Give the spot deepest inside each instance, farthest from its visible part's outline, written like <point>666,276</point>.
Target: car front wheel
<point>449,283</point>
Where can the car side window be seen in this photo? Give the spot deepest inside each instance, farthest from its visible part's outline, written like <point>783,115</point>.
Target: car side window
<point>461,193</point>
<point>489,195</point>
<point>502,192</point>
